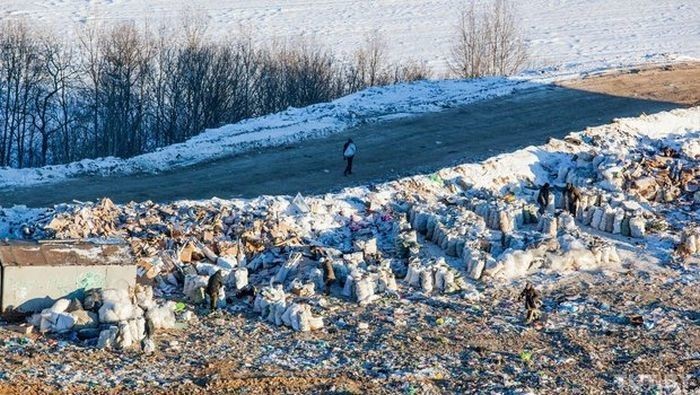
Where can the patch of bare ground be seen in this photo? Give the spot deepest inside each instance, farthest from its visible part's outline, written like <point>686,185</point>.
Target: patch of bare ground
<point>677,83</point>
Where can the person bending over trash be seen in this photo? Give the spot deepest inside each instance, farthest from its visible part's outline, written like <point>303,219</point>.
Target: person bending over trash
<point>533,301</point>
<point>349,150</point>
<point>328,274</point>
<point>543,197</point>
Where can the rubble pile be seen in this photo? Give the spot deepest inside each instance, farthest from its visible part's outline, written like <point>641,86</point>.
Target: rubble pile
<point>477,222</point>
<point>85,221</point>
<point>112,318</point>
<point>637,171</point>
<point>252,244</point>
<point>664,176</point>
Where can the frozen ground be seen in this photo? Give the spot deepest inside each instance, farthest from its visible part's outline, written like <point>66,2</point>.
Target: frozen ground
<point>429,120</point>
<point>388,150</point>
<point>583,34</point>
<point>371,105</point>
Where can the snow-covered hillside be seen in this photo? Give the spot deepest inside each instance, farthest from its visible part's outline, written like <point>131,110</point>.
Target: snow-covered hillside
<point>294,124</point>
<point>581,33</point>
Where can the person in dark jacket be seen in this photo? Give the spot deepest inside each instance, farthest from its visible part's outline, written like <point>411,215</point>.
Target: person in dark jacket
<point>328,274</point>
<point>533,301</point>
<point>349,150</point>
<point>543,198</point>
<point>571,198</point>
<point>216,281</point>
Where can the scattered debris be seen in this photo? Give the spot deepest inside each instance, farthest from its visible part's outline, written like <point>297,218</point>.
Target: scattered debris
<point>423,261</point>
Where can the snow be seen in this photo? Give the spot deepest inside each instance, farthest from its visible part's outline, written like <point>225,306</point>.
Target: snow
<point>567,38</point>
<point>584,34</point>
<point>294,124</point>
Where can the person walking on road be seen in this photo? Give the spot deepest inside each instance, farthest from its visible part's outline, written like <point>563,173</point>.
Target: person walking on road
<point>349,150</point>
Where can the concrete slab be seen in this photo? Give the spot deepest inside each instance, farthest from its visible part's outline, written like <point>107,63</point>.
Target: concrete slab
<point>34,275</point>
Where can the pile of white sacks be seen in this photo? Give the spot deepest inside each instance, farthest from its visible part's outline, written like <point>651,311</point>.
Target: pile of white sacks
<point>450,227</point>
<point>277,307</point>
<point>121,317</point>
<point>508,238</point>
<point>365,285</point>
<point>560,255</point>
<point>63,317</point>
<point>617,216</point>
<point>433,276</point>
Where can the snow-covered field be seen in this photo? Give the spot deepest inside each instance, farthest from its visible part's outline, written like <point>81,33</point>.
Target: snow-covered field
<point>574,33</point>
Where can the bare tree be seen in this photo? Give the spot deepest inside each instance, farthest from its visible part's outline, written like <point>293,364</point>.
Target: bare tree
<point>19,62</point>
<point>92,69</point>
<point>411,71</point>
<point>469,50</point>
<point>126,64</point>
<point>507,48</point>
<point>369,67</point>
<point>488,41</point>
<point>52,102</point>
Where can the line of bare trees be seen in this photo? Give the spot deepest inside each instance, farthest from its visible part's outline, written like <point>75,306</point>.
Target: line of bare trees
<point>125,90</point>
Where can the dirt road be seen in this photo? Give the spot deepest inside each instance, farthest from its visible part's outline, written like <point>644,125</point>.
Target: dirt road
<point>400,147</point>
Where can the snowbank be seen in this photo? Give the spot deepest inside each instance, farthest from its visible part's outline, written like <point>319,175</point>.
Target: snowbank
<point>535,163</point>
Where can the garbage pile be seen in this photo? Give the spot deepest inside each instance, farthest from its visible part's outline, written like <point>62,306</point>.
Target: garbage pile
<point>112,318</point>
<point>285,255</point>
<point>664,176</point>
<point>84,222</point>
<point>644,167</point>
<point>254,246</point>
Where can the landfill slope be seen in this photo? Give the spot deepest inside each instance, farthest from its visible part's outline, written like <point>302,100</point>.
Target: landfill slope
<point>388,149</point>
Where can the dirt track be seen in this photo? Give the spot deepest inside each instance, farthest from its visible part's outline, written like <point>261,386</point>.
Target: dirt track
<point>400,147</point>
